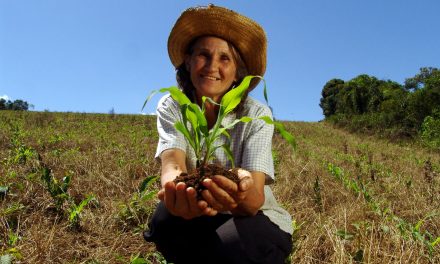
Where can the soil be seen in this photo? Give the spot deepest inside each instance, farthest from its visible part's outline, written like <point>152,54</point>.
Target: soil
<point>196,177</point>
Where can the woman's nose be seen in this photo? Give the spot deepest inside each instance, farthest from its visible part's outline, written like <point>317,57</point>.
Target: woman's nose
<point>212,64</point>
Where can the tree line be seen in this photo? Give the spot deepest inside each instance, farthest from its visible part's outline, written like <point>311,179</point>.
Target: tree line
<point>367,104</point>
<point>14,105</point>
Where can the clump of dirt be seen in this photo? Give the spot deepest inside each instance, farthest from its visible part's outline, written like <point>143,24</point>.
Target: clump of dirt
<point>196,177</point>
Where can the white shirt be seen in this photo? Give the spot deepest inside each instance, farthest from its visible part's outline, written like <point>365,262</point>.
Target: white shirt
<point>251,145</point>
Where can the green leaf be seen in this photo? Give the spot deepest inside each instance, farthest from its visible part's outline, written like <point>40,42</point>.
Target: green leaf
<point>148,98</point>
<point>184,130</point>
<point>344,235</point>
<point>265,91</point>
<point>138,260</point>
<point>189,115</point>
<point>177,95</point>
<point>78,209</point>
<point>435,242</point>
<point>147,182</point>
<point>421,221</point>
<point>229,154</point>
<point>226,134</point>
<point>244,119</point>
<point>149,195</point>
<point>66,182</point>
<point>201,122</point>
<point>232,98</point>
<point>286,135</point>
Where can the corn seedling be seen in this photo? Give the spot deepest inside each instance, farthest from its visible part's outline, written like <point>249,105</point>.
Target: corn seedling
<point>203,140</point>
<point>57,189</point>
<point>407,230</point>
<point>137,209</point>
<point>138,260</point>
<point>317,191</point>
<point>75,211</point>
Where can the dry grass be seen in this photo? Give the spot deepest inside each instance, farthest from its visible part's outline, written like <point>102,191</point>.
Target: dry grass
<point>109,155</point>
<point>347,225</point>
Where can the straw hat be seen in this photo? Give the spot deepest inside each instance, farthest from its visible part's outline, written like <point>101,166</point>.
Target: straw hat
<point>245,34</point>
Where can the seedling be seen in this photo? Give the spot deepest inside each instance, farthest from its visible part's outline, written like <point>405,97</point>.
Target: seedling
<point>56,189</point>
<point>203,140</point>
<point>75,211</point>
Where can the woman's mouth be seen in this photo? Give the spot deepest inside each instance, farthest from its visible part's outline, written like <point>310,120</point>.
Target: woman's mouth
<point>212,78</point>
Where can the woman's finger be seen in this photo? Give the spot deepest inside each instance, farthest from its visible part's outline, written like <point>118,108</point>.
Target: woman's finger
<point>225,183</point>
<point>170,196</point>
<point>212,202</point>
<point>181,205</point>
<point>192,202</point>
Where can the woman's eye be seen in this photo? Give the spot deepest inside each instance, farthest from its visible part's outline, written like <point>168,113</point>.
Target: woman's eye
<point>225,58</point>
<point>203,54</point>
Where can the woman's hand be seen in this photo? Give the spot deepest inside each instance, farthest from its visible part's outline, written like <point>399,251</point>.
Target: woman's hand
<point>246,197</point>
<point>182,201</point>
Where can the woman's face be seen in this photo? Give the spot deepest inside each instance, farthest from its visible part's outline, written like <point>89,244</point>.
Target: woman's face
<point>212,67</point>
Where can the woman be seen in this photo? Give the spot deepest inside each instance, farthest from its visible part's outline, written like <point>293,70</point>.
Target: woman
<point>213,49</point>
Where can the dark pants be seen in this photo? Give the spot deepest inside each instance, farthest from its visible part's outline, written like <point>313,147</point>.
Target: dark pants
<point>219,239</point>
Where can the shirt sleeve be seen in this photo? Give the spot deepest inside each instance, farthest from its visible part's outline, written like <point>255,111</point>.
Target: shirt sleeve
<point>167,115</point>
<point>257,149</point>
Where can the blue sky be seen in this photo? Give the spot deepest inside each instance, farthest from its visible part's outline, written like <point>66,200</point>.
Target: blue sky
<point>92,56</point>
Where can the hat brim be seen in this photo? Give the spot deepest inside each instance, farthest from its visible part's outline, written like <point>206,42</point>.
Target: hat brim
<point>246,35</point>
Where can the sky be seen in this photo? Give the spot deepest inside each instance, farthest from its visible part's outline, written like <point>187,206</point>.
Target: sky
<point>98,56</point>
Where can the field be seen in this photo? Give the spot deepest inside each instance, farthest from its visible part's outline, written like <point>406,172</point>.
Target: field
<point>71,192</point>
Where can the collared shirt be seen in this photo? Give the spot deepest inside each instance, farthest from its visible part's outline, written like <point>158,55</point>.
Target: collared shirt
<point>250,143</point>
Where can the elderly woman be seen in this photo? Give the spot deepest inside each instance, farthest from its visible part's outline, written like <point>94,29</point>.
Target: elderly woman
<point>213,49</point>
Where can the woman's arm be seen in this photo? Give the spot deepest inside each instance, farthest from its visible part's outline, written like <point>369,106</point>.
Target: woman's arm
<point>173,163</point>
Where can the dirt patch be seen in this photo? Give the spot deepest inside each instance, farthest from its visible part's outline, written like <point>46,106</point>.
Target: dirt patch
<point>196,177</point>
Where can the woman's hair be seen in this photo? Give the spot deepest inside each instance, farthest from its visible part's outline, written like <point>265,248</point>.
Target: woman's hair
<point>183,76</point>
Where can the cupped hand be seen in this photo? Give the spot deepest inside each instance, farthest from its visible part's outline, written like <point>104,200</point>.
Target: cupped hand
<point>223,194</point>
<point>182,201</point>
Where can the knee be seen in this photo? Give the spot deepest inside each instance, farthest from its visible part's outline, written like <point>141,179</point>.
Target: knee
<point>160,223</point>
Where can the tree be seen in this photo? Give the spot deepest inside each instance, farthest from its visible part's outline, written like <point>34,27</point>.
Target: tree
<point>329,98</point>
<point>2,104</point>
<point>420,79</point>
<point>16,105</point>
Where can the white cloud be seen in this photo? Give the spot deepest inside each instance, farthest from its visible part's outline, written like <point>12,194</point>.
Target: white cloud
<point>152,114</point>
<point>4,97</point>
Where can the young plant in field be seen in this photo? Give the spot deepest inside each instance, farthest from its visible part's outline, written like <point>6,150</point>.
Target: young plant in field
<point>57,189</point>
<point>317,197</point>
<point>75,211</point>
<point>203,140</point>
<point>136,211</point>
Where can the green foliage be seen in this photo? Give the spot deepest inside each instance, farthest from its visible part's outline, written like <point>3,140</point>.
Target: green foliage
<point>137,210</point>
<point>317,191</point>
<point>15,105</point>
<point>57,189</point>
<point>154,257</point>
<point>200,138</point>
<point>407,230</point>
<point>75,211</point>
<point>366,104</point>
<point>431,131</point>
<point>329,99</point>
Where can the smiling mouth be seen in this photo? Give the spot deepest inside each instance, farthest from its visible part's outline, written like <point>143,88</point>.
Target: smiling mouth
<point>212,78</point>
